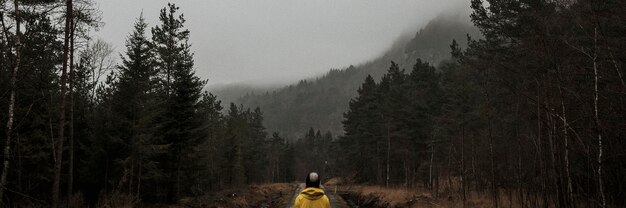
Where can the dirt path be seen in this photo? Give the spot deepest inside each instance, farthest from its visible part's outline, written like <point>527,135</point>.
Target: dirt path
<point>335,200</point>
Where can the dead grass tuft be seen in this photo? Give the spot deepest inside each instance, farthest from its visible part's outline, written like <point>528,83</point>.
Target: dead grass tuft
<point>116,200</point>
<point>334,182</point>
<point>277,194</point>
<point>77,200</point>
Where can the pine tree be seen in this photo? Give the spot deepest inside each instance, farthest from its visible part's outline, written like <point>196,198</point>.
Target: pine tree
<point>362,135</point>
<point>255,161</point>
<point>181,123</point>
<point>135,103</point>
<point>423,108</point>
<point>171,45</point>
<point>235,125</point>
<point>210,109</point>
<point>41,56</point>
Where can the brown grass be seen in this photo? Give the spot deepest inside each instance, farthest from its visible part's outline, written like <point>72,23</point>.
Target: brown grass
<point>396,197</point>
<point>422,197</point>
<point>277,194</point>
<point>115,200</point>
<point>76,201</point>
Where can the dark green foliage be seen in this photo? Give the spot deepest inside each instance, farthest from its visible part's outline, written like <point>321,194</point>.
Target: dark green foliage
<point>394,121</point>
<point>157,136</point>
<point>248,146</point>
<point>313,154</point>
<point>37,84</point>
<point>531,108</point>
<point>431,42</point>
<point>146,131</point>
<point>180,122</point>
<point>31,164</point>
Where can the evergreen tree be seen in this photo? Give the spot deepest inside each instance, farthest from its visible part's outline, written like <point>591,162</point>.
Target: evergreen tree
<point>362,140</point>
<point>235,125</point>
<point>171,43</point>
<point>181,122</point>
<point>34,109</point>
<point>211,174</point>
<point>254,148</point>
<point>423,106</point>
<point>135,103</point>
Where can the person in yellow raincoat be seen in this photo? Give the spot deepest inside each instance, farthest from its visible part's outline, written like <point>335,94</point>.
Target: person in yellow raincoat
<point>312,196</point>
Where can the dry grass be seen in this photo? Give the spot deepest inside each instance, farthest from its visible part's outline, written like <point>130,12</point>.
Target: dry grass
<point>395,197</point>
<point>76,201</point>
<point>334,182</point>
<point>277,194</point>
<point>422,197</point>
<point>116,200</point>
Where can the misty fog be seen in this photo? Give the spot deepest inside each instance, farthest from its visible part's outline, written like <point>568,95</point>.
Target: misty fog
<point>279,42</point>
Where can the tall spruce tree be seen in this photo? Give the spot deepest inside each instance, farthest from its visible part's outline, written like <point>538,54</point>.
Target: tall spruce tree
<point>236,126</point>
<point>182,91</point>
<point>255,160</point>
<point>210,175</point>
<point>362,140</point>
<point>135,103</point>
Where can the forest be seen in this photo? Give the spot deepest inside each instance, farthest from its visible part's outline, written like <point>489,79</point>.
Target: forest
<point>82,128</point>
<point>320,102</point>
<point>533,108</point>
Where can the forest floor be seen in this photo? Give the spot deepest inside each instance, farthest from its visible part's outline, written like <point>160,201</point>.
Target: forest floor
<point>282,195</point>
<point>261,196</point>
<point>377,196</point>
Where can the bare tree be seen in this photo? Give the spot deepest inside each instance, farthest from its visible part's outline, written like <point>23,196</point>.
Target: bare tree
<point>100,60</point>
<point>597,117</point>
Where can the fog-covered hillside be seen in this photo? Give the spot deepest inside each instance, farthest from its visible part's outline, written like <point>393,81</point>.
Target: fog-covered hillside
<point>320,102</point>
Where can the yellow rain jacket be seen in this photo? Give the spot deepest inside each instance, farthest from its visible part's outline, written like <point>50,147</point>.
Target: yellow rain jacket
<point>312,198</point>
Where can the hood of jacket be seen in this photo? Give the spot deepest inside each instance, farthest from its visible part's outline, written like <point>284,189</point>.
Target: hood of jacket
<point>312,193</point>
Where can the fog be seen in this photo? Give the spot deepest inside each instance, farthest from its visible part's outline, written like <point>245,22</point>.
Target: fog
<point>277,42</point>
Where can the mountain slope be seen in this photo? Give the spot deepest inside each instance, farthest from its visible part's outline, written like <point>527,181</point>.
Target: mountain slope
<point>320,103</point>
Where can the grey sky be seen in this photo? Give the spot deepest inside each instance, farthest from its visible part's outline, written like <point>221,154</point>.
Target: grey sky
<point>279,41</point>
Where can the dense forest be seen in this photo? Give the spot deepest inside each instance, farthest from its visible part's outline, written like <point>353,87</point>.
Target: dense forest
<point>88,130</point>
<point>535,109</point>
<point>529,107</point>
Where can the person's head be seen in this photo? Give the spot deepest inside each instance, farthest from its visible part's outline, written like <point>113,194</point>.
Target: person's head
<point>313,180</point>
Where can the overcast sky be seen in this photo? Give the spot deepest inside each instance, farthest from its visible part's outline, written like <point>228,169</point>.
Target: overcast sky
<point>278,41</point>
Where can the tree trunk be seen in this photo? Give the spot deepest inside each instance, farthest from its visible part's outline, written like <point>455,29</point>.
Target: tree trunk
<point>379,166</point>
<point>11,111</point>
<point>388,155</point>
<point>597,119</point>
<point>432,157</point>
<point>519,157</point>
<point>570,194</point>
<point>462,171</point>
<point>542,171</point>
<point>139,182</point>
<point>494,190</point>
<point>70,181</point>
<point>553,158</point>
<point>473,177</point>
<point>59,149</point>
